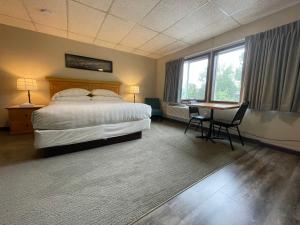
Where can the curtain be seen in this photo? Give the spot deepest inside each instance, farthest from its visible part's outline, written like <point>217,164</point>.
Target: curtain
<point>272,69</point>
<point>173,80</point>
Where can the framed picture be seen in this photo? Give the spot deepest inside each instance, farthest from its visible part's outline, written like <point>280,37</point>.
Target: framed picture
<point>87,63</point>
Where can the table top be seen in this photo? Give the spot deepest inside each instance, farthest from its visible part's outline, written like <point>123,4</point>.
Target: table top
<point>211,105</point>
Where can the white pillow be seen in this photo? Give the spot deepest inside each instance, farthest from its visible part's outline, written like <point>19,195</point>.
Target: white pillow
<point>104,92</point>
<point>72,98</point>
<point>72,92</point>
<point>107,98</point>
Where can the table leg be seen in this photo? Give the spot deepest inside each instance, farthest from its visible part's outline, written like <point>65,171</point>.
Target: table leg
<point>211,123</point>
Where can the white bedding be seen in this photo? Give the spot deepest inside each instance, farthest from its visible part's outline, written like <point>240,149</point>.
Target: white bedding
<point>70,115</point>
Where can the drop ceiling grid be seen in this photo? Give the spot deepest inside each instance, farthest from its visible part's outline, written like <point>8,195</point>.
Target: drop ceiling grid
<point>152,28</point>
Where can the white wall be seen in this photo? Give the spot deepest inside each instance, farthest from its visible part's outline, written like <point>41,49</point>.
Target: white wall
<point>269,125</point>
<point>24,53</point>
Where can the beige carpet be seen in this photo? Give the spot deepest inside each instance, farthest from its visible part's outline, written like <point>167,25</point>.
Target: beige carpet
<point>115,184</point>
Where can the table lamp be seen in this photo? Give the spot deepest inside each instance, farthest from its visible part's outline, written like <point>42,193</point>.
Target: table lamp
<point>26,84</point>
<point>134,90</point>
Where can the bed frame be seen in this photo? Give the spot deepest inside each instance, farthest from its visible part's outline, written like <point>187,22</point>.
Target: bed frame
<point>57,84</point>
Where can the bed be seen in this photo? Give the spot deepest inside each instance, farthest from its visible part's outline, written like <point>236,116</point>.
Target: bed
<point>64,123</point>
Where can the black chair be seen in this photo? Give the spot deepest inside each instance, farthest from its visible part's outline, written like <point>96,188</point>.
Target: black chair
<point>236,121</point>
<point>196,117</point>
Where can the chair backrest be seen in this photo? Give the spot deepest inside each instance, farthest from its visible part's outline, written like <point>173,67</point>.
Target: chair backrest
<point>193,110</point>
<point>153,102</point>
<point>237,119</point>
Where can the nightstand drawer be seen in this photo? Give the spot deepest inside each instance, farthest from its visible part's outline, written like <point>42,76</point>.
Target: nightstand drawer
<point>20,118</point>
<point>20,115</point>
<point>20,127</point>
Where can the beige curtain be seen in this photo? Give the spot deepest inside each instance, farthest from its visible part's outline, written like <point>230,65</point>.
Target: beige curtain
<point>272,69</point>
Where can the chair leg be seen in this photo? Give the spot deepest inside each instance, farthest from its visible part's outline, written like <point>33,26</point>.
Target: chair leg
<point>219,131</point>
<point>241,138</point>
<point>201,124</point>
<point>188,126</point>
<point>229,137</point>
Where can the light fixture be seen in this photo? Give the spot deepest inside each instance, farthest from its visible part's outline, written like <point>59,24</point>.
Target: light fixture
<point>26,84</point>
<point>134,90</point>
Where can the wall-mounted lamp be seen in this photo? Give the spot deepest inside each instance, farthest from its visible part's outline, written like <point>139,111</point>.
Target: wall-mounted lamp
<point>26,84</point>
<point>134,90</point>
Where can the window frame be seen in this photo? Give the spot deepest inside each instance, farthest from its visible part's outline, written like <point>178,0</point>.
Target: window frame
<point>210,76</point>
<point>195,58</point>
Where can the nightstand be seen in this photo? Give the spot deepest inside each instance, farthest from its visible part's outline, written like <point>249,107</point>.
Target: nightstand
<point>20,118</point>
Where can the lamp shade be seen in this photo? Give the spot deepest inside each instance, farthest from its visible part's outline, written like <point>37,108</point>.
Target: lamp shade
<point>134,89</point>
<point>26,84</point>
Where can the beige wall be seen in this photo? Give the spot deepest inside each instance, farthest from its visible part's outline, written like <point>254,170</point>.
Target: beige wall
<point>25,53</point>
<point>270,125</point>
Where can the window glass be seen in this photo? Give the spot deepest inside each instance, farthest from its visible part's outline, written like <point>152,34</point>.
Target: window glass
<point>194,79</point>
<point>227,75</point>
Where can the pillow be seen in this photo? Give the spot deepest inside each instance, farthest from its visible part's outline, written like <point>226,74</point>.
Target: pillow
<point>107,98</point>
<point>104,92</point>
<point>72,98</point>
<point>72,92</point>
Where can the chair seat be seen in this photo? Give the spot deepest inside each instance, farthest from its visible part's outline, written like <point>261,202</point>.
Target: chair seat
<point>224,123</point>
<point>199,117</point>
<point>156,112</point>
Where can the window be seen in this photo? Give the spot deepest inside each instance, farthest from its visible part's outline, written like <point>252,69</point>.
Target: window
<point>194,79</point>
<point>227,77</point>
<point>221,68</point>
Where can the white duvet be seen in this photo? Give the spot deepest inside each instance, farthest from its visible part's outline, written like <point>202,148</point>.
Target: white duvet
<point>69,115</point>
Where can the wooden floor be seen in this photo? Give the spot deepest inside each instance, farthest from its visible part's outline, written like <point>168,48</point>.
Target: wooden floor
<point>261,188</point>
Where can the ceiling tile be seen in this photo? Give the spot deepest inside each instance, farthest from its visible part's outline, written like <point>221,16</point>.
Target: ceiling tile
<point>10,21</point>
<point>105,44</point>
<point>98,4</point>
<point>55,14</point>
<point>154,56</point>
<point>156,43</point>
<point>167,12</point>
<point>140,52</point>
<point>231,6</point>
<point>50,30</point>
<point>114,29</point>
<point>173,47</point>
<point>261,9</point>
<point>138,36</point>
<point>210,31</point>
<point>208,14</point>
<point>80,38</point>
<point>124,48</point>
<point>133,10</point>
<point>84,20</point>
<point>14,8</point>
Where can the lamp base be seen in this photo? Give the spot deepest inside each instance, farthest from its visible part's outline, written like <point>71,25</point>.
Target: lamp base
<point>27,104</point>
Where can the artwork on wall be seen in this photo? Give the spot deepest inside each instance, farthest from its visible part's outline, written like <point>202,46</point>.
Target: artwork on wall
<point>87,63</point>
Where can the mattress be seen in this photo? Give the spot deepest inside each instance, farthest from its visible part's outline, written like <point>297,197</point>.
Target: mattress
<point>71,115</point>
<point>51,138</point>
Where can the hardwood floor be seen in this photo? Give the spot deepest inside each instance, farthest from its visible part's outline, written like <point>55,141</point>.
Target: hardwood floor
<point>262,187</point>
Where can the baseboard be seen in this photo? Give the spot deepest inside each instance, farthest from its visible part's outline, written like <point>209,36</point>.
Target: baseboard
<point>250,140</point>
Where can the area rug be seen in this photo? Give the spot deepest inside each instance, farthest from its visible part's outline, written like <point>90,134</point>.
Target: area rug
<point>116,184</point>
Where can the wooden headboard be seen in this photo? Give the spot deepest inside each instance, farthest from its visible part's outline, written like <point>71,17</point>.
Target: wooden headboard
<point>58,84</point>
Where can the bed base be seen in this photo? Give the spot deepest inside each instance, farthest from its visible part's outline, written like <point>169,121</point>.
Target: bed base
<point>64,149</point>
